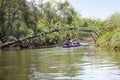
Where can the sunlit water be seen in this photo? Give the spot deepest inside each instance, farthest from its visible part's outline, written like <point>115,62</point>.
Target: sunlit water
<point>82,63</point>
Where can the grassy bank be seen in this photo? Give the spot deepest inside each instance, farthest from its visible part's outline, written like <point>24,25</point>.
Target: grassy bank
<point>110,40</point>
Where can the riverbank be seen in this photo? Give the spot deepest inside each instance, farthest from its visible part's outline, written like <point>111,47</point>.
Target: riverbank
<point>30,47</point>
<point>39,46</point>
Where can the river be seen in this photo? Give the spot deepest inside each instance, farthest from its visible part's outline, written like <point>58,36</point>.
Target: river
<point>81,63</point>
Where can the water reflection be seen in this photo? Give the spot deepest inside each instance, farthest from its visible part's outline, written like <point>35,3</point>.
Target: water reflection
<point>81,63</point>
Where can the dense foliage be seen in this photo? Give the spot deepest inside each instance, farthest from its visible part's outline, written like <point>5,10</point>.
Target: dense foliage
<point>20,19</point>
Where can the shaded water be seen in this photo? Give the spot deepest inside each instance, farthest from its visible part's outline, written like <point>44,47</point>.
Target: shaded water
<point>83,63</point>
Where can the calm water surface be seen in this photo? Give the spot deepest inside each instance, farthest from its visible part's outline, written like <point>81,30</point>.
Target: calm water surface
<point>83,63</point>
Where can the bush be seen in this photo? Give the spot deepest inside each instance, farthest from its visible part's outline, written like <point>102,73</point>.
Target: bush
<point>115,41</point>
<point>110,40</point>
<point>104,40</point>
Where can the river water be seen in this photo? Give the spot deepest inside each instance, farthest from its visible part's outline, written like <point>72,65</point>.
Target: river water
<point>82,63</point>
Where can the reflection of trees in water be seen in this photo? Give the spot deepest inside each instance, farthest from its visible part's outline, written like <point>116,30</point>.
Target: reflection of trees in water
<point>56,63</point>
<point>113,57</point>
<point>14,65</point>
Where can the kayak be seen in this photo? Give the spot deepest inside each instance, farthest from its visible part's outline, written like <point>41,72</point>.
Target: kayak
<point>71,45</point>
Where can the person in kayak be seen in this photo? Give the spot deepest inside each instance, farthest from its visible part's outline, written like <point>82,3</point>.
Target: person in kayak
<point>66,43</point>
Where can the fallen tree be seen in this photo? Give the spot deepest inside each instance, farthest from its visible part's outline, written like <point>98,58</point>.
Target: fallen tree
<point>7,44</point>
